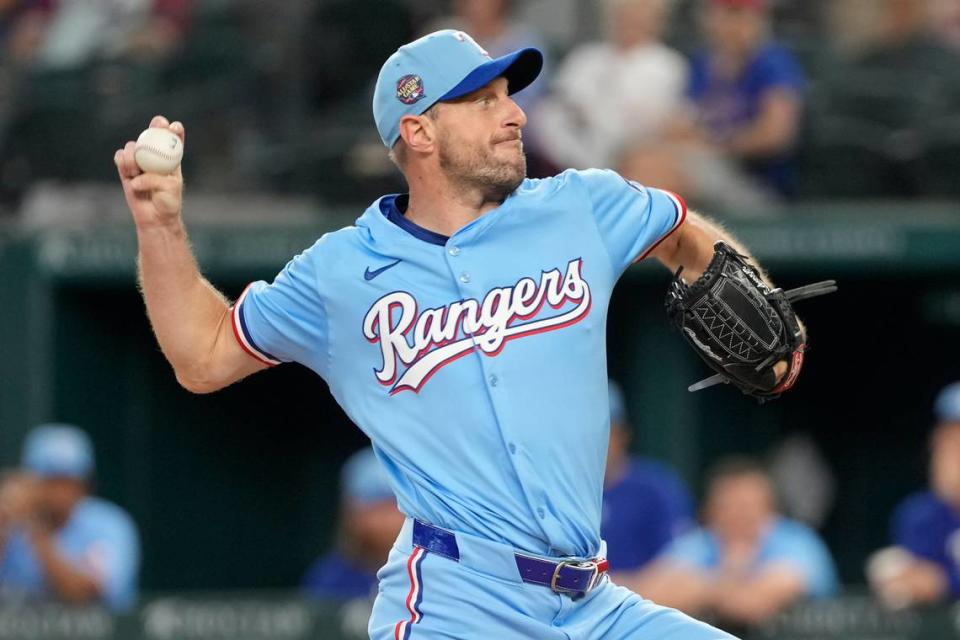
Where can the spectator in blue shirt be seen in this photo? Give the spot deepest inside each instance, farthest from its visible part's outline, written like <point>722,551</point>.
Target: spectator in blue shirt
<point>747,562</point>
<point>645,503</point>
<point>368,524</point>
<point>748,91</point>
<point>61,543</point>
<point>924,565</point>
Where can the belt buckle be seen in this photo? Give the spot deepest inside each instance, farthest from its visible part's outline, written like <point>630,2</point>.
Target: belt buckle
<point>595,578</point>
<point>591,583</point>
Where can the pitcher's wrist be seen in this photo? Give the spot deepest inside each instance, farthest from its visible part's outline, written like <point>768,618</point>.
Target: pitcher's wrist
<point>169,225</point>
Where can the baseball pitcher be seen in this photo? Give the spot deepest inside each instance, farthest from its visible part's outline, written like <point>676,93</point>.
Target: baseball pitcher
<point>462,326</point>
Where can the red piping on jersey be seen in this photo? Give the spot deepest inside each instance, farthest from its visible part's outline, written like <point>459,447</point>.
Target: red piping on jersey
<point>683,217</point>
<point>236,334</point>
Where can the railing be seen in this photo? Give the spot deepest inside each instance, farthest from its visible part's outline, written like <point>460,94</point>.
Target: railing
<point>279,616</point>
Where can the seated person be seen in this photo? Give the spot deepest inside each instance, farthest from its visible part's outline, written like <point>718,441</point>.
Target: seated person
<point>924,565</point>
<point>368,524</point>
<point>747,562</point>
<point>645,503</point>
<point>64,544</point>
<point>747,92</point>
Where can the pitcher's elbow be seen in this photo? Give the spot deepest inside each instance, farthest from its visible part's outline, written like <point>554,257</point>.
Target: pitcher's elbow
<point>199,384</point>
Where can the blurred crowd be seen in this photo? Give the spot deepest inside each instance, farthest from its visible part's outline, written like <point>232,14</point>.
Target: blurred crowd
<point>746,552</point>
<point>739,105</point>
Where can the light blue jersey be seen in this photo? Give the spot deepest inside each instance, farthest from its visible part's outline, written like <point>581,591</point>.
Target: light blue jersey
<point>99,540</point>
<point>786,543</point>
<point>476,364</point>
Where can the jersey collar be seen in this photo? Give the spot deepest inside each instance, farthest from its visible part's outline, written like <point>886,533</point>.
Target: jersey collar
<point>386,216</point>
<point>394,206</point>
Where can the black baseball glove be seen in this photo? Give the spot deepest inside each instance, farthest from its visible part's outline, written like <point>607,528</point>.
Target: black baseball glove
<point>739,326</point>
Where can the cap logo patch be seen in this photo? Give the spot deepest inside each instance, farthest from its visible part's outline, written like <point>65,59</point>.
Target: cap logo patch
<point>410,89</point>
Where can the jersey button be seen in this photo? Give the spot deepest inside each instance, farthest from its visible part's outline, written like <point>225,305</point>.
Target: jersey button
<point>464,277</point>
<point>513,448</point>
<point>493,381</point>
<point>541,513</point>
<point>454,251</point>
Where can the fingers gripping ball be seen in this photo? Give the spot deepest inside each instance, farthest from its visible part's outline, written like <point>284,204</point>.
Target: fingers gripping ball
<point>158,150</point>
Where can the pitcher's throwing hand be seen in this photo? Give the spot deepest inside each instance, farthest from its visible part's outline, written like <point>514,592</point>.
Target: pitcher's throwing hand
<point>153,198</point>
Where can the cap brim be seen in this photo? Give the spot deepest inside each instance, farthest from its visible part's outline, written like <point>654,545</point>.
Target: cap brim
<point>520,68</point>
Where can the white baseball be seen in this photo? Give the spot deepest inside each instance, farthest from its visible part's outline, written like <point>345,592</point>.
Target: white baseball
<point>158,150</point>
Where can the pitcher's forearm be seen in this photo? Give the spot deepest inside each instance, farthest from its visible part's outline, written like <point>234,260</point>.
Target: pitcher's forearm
<point>190,318</point>
<point>692,247</point>
<point>185,310</point>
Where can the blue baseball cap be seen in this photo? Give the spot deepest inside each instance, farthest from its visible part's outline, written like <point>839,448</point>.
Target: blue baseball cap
<point>618,408</point>
<point>947,405</point>
<point>58,450</point>
<point>363,478</point>
<point>442,65</point>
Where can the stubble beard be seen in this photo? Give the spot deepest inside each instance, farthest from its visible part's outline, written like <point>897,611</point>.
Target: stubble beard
<point>478,168</point>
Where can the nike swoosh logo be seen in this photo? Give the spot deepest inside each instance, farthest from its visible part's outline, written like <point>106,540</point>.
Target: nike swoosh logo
<point>370,275</point>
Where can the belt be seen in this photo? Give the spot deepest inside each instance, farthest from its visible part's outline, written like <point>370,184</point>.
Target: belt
<point>570,577</point>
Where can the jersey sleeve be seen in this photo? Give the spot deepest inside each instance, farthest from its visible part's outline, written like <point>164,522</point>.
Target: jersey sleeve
<point>697,79</point>
<point>112,559</point>
<point>781,70</point>
<point>660,532</point>
<point>284,321</point>
<point>638,527</point>
<point>914,527</point>
<point>632,219</point>
<point>692,550</point>
<point>804,553</point>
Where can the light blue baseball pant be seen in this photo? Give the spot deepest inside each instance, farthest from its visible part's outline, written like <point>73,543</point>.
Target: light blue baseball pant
<point>481,597</point>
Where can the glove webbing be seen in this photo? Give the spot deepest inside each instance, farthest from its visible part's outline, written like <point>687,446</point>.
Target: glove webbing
<point>793,295</point>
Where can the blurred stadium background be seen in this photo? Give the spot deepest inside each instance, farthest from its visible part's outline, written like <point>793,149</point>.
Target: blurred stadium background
<point>236,493</point>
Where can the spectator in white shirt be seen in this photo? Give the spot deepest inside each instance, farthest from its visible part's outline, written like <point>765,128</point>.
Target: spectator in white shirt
<point>615,92</point>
